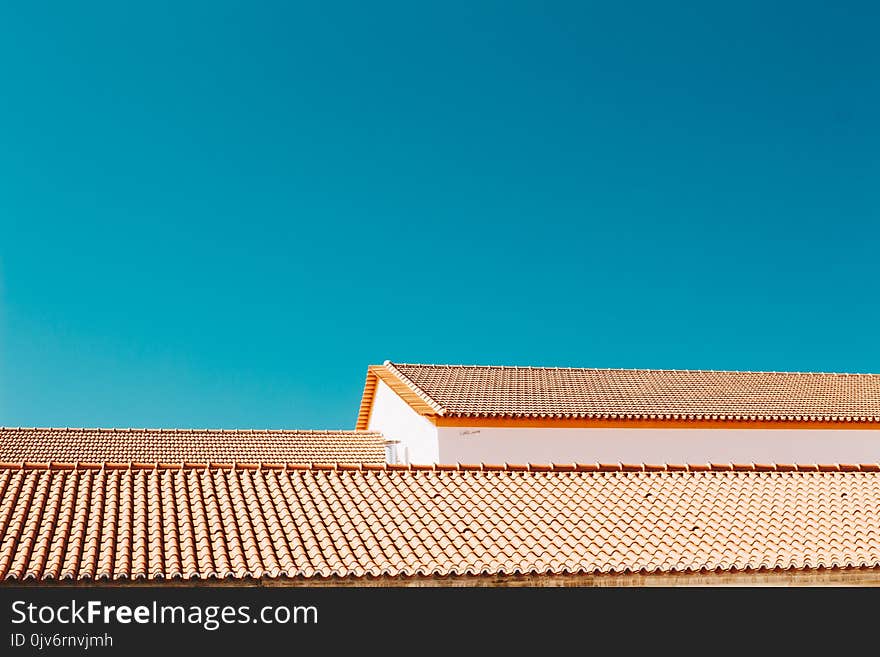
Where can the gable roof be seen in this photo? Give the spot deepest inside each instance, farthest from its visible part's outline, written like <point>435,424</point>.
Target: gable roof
<point>199,445</point>
<point>476,391</point>
<point>119,522</point>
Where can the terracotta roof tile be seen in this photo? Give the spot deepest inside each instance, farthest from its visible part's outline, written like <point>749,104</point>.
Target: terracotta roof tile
<point>191,445</point>
<point>272,520</point>
<point>619,394</point>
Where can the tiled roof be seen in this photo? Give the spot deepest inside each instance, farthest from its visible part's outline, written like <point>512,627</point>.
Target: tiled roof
<point>177,445</point>
<point>141,521</point>
<point>543,392</point>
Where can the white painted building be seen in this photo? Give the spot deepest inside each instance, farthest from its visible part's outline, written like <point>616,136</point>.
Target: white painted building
<point>477,414</point>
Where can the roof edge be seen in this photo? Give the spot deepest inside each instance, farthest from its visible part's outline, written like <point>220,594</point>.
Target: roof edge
<point>658,420</point>
<point>433,403</point>
<point>405,388</point>
<point>636,369</point>
<point>191,430</point>
<point>367,398</point>
<point>454,467</point>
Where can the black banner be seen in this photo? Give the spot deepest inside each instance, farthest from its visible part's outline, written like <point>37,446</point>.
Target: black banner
<point>170,619</point>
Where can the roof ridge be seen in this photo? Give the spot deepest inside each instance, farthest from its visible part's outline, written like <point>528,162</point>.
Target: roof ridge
<point>455,467</point>
<point>630,369</point>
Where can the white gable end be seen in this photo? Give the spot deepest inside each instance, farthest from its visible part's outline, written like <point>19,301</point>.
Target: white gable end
<point>415,436</point>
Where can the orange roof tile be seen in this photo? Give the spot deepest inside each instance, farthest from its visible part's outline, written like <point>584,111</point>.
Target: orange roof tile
<point>261,520</point>
<point>176,445</point>
<point>545,392</point>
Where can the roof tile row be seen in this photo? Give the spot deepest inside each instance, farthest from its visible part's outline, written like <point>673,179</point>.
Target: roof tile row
<point>202,445</point>
<point>181,522</point>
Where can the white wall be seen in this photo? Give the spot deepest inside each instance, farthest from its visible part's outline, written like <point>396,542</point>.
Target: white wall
<point>398,421</point>
<point>546,445</point>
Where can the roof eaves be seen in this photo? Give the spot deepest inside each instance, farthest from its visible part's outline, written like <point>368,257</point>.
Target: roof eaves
<point>367,398</point>
<point>676,417</point>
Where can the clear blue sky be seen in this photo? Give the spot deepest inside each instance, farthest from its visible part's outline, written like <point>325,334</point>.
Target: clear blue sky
<point>218,214</point>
